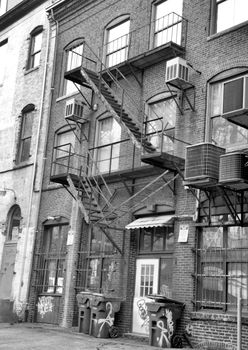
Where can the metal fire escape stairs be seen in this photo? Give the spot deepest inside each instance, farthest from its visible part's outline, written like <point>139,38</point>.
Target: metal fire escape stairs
<point>86,189</point>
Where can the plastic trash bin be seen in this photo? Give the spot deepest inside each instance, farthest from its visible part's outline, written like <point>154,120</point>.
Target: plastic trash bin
<point>84,312</point>
<point>103,311</point>
<point>163,316</point>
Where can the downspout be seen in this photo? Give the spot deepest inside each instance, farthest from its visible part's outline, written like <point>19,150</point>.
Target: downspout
<point>36,154</point>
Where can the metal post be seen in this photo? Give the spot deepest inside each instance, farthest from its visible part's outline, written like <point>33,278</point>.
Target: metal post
<point>239,321</point>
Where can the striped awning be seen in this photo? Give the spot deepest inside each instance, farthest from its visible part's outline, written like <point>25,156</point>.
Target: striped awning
<point>151,221</point>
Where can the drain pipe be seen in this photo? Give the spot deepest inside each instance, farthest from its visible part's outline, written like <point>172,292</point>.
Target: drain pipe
<point>36,154</point>
<point>239,319</point>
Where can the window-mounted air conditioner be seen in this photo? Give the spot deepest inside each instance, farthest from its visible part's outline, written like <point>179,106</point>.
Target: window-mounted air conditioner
<point>74,110</point>
<point>202,163</point>
<point>235,101</point>
<point>177,73</point>
<point>234,169</point>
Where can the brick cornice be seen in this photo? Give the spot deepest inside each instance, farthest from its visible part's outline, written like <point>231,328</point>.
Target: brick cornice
<point>18,12</point>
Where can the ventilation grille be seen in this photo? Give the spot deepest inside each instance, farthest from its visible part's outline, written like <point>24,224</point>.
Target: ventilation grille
<point>233,167</point>
<point>177,69</point>
<point>202,161</point>
<point>74,110</point>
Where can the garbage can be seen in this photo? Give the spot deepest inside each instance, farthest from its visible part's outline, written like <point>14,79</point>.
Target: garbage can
<point>84,312</point>
<point>163,316</point>
<point>103,311</point>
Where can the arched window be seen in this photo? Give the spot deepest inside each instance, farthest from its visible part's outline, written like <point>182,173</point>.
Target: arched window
<point>35,47</point>
<point>14,221</point>
<point>63,146</point>
<point>117,40</point>
<point>25,136</point>
<point>72,59</point>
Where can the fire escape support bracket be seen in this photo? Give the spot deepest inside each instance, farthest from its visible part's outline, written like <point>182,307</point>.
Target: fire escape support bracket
<point>174,98</point>
<point>89,104</point>
<point>109,108</point>
<point>129,191</point>
<point>134,74</point>
<point>230,206</point>
<point>109,236</point>
<point>169,186</point>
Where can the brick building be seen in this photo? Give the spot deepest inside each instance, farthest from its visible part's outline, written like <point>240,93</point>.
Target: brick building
<point>24,97</point>
<point>145,182</point>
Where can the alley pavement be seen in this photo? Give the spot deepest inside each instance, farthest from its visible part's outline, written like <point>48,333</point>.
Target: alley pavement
<point>28,336</point>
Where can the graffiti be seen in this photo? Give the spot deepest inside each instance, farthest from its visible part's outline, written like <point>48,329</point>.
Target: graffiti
<point>108,320</point>
<point>142,309</point>
<point>20,308</point>
<point>45,305</point>
<point>166,333</point>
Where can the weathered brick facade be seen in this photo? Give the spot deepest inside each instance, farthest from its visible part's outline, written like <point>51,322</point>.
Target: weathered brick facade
<point>208,55</point>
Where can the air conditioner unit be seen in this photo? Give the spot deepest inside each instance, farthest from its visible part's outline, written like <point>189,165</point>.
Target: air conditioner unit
<point>234,170</point>
<point>74,110</point>
<point>235,101</point>
<point>202,164</point>
<point>177,73</point>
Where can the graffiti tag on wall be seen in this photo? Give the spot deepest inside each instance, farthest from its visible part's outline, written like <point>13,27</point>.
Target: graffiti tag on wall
<point>45,305</point>
<point>143,314</point>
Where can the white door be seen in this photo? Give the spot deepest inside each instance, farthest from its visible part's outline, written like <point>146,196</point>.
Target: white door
<point>146,283</point>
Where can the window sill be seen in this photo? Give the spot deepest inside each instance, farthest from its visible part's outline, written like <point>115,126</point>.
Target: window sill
<point>227,31</point>
<point>30,70</point>
<point>64,97</point>
<point>23,164</point>
<point>217,316</point>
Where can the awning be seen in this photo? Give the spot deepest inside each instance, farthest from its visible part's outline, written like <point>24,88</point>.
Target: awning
<point>151,221</point>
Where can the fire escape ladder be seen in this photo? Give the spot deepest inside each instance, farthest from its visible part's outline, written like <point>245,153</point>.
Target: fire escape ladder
<point>102,90</point>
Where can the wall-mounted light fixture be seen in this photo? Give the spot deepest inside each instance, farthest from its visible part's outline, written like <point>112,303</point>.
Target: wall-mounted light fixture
<point>4,190</point>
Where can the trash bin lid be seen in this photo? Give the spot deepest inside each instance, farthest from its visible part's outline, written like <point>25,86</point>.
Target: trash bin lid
<point>163,299</point>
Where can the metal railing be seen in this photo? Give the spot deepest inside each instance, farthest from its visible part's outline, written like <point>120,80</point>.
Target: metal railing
<point>169,28</point>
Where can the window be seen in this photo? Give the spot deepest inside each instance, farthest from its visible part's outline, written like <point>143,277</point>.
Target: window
<point>228,96</point>
<point>14,221</point>
<point>35,47</point>
<point>228,13</point>
<point>100,264</point>
<point>3,59</point>
<point>53,258</point>
<point>74,56</point>
<point>117,43</point>
<point>159,241</point>
<point>23,153</point>
<point>160,123</point>
<point>64,142</point>
<point>222,267</point>
<point>108,145</point>
<point>168,22</point>
<point>3,7</point>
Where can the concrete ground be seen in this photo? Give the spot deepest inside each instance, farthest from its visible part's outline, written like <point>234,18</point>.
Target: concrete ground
<point>28,336</point>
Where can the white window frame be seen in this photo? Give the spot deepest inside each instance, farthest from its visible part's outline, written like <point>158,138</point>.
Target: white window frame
<point>34,57</point>
<point>118,46</point>
<point>214,15</point>
<point>3,7</point>
<point>111,167</point>
<point>219,113</point>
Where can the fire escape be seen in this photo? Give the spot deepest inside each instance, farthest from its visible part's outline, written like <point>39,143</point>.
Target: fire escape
<point>79,173</point>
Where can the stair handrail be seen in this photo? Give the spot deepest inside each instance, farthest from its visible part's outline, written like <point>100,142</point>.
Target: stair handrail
<point>107,70</point>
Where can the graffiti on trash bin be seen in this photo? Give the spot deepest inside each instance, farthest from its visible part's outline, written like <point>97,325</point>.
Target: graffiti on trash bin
<point>45,305</point>
<point>142,308</point>
<point>166,332</point>
<point>108,320</point>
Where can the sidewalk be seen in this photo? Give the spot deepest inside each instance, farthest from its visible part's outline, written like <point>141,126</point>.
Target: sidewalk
<point>29,336</point>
